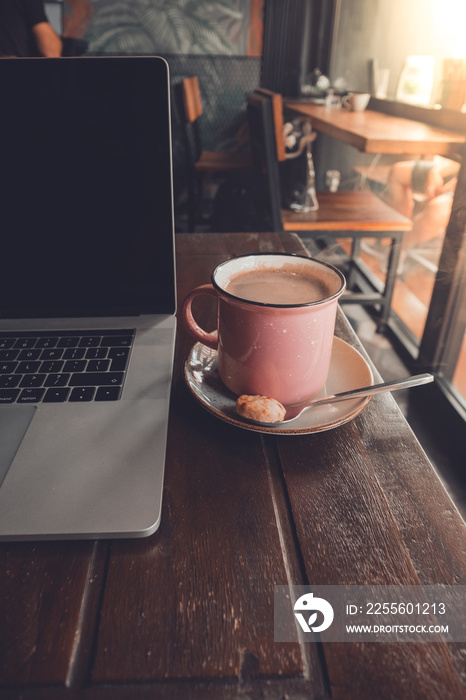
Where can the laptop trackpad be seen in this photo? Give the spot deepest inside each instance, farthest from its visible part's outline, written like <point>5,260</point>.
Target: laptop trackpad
<point>14,422</point>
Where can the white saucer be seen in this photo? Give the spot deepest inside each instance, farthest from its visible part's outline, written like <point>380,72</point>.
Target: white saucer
<point>348,370</point>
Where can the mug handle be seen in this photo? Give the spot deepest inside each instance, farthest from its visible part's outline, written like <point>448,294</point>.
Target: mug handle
<point>209,339</point>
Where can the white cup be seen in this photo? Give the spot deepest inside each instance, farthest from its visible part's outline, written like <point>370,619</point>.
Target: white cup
<point>356,101</point>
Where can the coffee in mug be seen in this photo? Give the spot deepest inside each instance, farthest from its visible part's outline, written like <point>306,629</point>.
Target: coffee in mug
<point>280,286</point>
<point>275,323</point>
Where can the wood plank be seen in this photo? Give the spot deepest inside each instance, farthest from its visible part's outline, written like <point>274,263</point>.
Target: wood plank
<point>47,589</point>
<point>355,210</point>
<point>375,132</point>
<point>196,599</point>
<point>348,536</point>
<point>278,689</point>
<point>448,119</point>
<point>222,246</point>
<point>370,511</point>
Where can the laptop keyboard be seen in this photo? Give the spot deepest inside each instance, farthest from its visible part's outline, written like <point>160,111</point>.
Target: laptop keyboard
<point>55,367</point>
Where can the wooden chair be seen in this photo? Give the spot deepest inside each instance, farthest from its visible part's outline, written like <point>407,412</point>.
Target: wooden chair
<point>346,214</point>
<point>198,161</point>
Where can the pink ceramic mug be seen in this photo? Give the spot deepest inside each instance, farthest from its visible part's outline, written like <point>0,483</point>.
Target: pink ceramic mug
<point>274,349</point>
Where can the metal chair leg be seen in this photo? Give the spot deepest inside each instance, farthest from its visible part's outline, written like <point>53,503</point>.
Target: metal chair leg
<point>390,279</point>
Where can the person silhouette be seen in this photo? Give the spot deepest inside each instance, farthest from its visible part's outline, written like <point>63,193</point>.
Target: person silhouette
<point>26,31</point>
<point>423,191</point>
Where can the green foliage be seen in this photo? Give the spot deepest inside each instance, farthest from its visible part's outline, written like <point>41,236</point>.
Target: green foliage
<point>214,27</point>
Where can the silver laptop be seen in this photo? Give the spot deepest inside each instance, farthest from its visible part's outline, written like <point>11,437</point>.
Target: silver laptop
<point>87,296</point>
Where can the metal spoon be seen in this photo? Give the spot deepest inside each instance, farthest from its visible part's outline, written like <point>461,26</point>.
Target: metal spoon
<point>293,411</point>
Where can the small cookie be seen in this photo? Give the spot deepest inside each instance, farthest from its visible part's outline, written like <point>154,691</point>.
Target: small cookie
<point>260,408</point>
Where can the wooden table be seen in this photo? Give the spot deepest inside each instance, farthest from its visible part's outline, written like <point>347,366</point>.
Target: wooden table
<point>188,612</point>
<point>375,132</point>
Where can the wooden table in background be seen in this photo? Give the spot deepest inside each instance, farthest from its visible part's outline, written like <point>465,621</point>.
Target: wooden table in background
<point>375,132</point>
<point>188,612</point>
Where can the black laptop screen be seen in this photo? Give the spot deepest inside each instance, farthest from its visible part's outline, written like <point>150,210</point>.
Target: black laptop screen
<point>86,207</point>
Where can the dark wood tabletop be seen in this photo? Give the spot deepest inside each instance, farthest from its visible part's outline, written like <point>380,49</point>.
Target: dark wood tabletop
<point>188,612</point>
<point>375,132</point>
